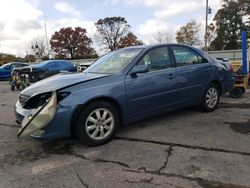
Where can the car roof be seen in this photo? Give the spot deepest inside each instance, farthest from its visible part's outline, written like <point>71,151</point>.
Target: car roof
<point>18,63</point>
<point>156,45</point>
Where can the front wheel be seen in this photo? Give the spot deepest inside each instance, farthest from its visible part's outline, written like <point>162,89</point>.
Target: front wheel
<point>97,123</point>
<point>211,98</point>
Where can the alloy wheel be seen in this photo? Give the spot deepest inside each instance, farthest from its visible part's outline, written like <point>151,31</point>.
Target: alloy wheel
<point>99,124</point>
<point>212,97</point>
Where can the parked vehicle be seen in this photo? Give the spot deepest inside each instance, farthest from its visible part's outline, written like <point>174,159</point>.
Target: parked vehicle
<point>121,87</point>
<point>82,66</point>
<point>47,68</point>
<point>5,70</point>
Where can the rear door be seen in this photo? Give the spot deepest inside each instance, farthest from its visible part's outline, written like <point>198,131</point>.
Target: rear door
<point>193,72</point>
<point>154,90</point>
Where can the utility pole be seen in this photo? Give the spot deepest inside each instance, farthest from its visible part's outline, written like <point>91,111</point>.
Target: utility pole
<point>46,35</point>
<point>206,25</point>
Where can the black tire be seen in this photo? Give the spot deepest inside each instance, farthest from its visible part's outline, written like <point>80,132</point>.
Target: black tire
<point>236,92</point>
<point>34,77</point>
<point>12,88</point>
<point>243,90</point>
<point>18,86</point>
<point>80,130</point>
<point>204,104</point>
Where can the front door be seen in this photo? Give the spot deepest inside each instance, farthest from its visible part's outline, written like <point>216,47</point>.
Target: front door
<point>154,90</point>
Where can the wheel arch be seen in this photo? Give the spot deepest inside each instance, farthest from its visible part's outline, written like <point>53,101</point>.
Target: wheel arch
<point>102,98</point>
<point>218,84</point>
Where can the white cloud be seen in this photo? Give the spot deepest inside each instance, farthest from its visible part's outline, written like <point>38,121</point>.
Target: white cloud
<point>22,21</point>
<point>19,21</point>
<point>177,9</point>
<point>55,25</point>
<point>67,8</point>
<point>153,26</point>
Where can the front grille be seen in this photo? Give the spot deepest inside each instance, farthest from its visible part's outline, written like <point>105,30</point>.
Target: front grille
<point>23,99</point>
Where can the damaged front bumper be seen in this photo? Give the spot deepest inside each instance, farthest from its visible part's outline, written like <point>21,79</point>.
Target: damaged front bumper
<point>36,119</point>
<point>58,127</point>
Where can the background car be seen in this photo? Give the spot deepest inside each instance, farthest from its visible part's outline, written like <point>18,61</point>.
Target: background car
<point>6,69</point>
<point>121,87</point>
<point>47,68</point>
<point>82,66</point>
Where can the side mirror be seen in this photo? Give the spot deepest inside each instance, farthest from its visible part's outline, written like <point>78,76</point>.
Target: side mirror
<point>139,69</point>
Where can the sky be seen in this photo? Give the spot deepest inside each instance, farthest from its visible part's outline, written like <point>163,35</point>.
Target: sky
<point>22,21</point>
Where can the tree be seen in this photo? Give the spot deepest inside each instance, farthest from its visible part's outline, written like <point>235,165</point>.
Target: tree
<point>39,48</point>
<point>189,33</point>
<point>5,58</point>
<point>229,24</point>
<point>72,42</point>
<point>129,40</point>
<point>161,37</point>
<point>110,30</point>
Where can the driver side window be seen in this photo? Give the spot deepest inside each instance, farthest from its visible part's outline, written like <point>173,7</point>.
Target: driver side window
<point>156,59</point>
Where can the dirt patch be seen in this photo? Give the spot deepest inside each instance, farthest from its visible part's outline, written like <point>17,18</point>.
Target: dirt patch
<point>240,127</point>
<point>36,152</point>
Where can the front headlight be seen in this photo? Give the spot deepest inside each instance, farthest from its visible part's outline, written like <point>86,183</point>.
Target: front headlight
<point>40,117</point>
<point>37,101</point>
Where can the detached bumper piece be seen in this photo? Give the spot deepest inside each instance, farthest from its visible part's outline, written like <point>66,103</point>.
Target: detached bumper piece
<point>39,117</point>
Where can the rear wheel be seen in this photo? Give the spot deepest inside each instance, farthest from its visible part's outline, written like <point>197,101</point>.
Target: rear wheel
<point>237,92</point>
<point>211,98</point>
<point>96,124</point>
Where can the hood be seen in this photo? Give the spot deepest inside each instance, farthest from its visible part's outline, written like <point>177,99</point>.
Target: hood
<point>58,82</point>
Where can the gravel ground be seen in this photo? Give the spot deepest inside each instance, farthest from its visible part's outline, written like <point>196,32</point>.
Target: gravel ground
<point>187,148</point>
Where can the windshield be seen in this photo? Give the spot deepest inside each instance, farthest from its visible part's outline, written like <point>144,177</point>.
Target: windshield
<point>114,62</point>
<point>5,65</point>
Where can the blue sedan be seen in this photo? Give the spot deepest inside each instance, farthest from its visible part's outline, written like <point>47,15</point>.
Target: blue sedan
<point>121,87</point>
<point>47,68</point>
<point>5,70</point>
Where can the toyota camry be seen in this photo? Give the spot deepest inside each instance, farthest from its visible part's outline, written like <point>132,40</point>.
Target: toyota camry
<point>121,87</point>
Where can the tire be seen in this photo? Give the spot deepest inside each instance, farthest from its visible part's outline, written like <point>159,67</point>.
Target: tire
<point>236,92</point>
<point>243,90</point>
<point>18,86</point>
<point>34,77</point>
<point>12,88</point>
<point>88,117</point>
<point>210,98</point>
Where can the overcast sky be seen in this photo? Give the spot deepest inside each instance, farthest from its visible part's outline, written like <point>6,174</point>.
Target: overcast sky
<point>23,20</point>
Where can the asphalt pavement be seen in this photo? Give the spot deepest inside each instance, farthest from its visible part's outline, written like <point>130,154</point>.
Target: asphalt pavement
<point>182,149</point>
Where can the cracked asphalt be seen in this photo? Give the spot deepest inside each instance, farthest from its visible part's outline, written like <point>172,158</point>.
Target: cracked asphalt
<point>182,149</point>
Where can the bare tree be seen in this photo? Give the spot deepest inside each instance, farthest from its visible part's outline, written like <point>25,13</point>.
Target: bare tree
<point>39,48</point>
<point>162,37</point>
<point>110,30</point>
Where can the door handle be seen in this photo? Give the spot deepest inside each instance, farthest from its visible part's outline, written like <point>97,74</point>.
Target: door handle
<point>171,76</point>
<point>207,69</point>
